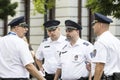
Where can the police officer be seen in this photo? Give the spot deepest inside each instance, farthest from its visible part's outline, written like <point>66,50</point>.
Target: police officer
<point>15,57</point>
<point>49,49</point>
<point>107,49</point>
<point>75,55</point>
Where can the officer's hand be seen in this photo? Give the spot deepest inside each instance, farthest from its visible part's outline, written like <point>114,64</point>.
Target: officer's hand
<point>88,66</point>
<point>42,70</point>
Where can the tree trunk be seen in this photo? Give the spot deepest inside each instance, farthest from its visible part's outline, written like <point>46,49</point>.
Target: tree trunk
<point>5,28</point>
<point>45,19</point>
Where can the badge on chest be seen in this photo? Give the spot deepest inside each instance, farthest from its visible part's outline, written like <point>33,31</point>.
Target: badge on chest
<point>76,57</point>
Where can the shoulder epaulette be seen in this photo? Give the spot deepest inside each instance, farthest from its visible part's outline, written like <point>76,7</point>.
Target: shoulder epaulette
<point>66,39</point>
<point>85,43</point>
<point>64,46</point>
<point>44,40</point>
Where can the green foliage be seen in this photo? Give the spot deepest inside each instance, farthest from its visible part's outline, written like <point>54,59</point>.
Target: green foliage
<point>39,5</point>
<point>106,7</point>
<point>6,8</point>
<point>50,4</point>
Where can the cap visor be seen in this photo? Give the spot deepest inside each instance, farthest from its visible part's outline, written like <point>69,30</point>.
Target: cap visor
<point>70,27</point>
<point>51,28</point>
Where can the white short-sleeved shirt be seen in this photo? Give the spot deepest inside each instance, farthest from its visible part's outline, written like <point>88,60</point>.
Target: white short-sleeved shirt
<point>107,50</point>
<point>14,56</point>
<point>49,50</point>
<point>73,60</point>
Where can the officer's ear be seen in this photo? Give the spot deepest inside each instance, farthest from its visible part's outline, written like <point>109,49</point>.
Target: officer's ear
<point>78,31</point>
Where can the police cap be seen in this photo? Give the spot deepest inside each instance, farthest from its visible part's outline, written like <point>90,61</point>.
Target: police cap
<point>101,18</point>
<point>72,25</point>
<point>49,25</point>
<point>18,21</point>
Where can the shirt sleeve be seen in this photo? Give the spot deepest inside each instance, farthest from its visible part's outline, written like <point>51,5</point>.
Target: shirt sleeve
<point>59,63</point>
<point>89,50</point>
<point>39,54</point>
<point>25,55</point>
<point>101,53</point>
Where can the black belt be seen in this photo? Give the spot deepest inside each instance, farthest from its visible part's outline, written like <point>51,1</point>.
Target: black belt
<point>107,77</point>
<point>49,74</point>
<point>104,77</point>
<point>83,78</point>
<point>14,79</point>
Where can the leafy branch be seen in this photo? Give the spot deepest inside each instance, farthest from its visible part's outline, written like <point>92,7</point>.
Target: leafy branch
<point>39,5</point>
<point>106,7</point>
<point>7,8</point>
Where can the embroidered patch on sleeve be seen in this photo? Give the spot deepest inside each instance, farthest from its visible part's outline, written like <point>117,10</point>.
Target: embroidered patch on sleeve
<point>93,54</point>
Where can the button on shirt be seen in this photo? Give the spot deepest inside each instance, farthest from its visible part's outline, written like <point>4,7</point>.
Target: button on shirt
<point>73,60</point>
<point>108,51</point>
<point>50,51</point>
<point>14,56</point>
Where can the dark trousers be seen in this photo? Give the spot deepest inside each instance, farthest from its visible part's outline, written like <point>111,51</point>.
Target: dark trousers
<point>14,79</point>
<point>49,76</point>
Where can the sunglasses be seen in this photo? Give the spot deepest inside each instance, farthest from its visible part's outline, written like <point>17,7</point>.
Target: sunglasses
<point>24,25</point>
<point>95,21</point>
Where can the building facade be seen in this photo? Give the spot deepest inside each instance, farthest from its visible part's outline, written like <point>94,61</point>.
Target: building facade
<point>63,10</point>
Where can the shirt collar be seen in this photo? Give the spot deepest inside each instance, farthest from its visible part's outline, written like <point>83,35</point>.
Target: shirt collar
<point>60,39</point>
<point>78,42</point>
<point>12,33</point>
<point>104,33</point>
